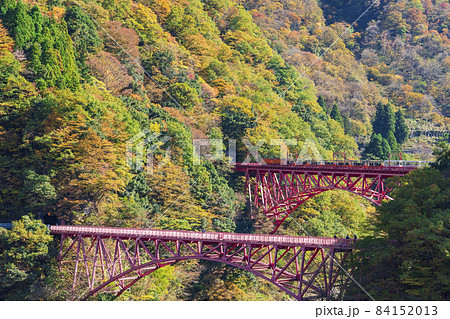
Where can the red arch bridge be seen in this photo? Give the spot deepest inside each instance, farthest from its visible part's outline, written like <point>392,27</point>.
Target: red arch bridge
<point>113,259</point>
<point>280,188</point>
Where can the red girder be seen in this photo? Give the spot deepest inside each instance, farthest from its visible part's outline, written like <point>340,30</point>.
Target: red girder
<point>280,189</point>
<point>113,259</point>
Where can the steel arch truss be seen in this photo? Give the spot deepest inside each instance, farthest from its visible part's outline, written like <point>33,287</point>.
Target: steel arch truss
<point>114,264</point>
<point>279,192</point>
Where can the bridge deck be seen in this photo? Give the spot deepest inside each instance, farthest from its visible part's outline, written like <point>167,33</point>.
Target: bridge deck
<point>323,168</point>
<point>190,236</point>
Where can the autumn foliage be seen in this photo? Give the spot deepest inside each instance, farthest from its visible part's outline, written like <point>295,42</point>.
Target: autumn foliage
<point>6,43</point>
<point>78,82</point>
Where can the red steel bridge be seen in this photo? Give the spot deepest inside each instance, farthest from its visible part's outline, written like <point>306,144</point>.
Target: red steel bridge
<point>278,189</point>
<point>113,259</point>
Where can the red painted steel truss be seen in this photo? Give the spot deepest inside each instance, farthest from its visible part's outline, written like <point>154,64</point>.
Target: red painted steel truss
<point>280,189</point>
<point>113,259</point>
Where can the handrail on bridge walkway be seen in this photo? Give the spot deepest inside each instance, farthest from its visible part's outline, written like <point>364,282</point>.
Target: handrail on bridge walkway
<point>390,166</point>
<point>151,234</point>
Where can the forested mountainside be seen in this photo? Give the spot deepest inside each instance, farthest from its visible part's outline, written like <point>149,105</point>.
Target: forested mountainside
<point>80,79</point>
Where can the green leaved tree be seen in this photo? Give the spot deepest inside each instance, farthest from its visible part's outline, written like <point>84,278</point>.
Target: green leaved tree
<point>24,259</point>
<point>408,257</point>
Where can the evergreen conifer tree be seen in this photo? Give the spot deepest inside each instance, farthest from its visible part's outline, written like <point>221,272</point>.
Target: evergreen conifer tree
<point>70,77</point>
<point>378,148</point>
<point>7,12</point>
<point>38,19</point>
<point>22,26</point>
<point>303,111</point>
<point>82,30</point>
<point>84,35</point>
<point>384,121</point>
<point>389,121</point>
<point>392,142</point>
<point>51,55</point>
<point>321,102</point>
<point>377,124</point>
<point>385,149</point>
<point>336,115</point>
<point>401,129</point>
<point>34,57</point>
<point>374,149</point>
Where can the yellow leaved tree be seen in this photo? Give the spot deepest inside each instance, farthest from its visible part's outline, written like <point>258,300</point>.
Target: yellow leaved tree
<point>6,42</point>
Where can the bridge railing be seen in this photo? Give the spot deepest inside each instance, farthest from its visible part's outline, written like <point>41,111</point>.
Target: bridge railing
<point>364,163</point>
<point>200,236</point>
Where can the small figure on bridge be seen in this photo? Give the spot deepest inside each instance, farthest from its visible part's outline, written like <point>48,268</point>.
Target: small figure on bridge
<point>203,230</point>
<point>355,237</point>
<point>348,237</point>
<point>335,236</point>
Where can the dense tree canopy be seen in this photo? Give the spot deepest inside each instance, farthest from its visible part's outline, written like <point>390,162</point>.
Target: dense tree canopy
<point>409,259</point>
<point>24,259</point>
<point>100,102</point>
